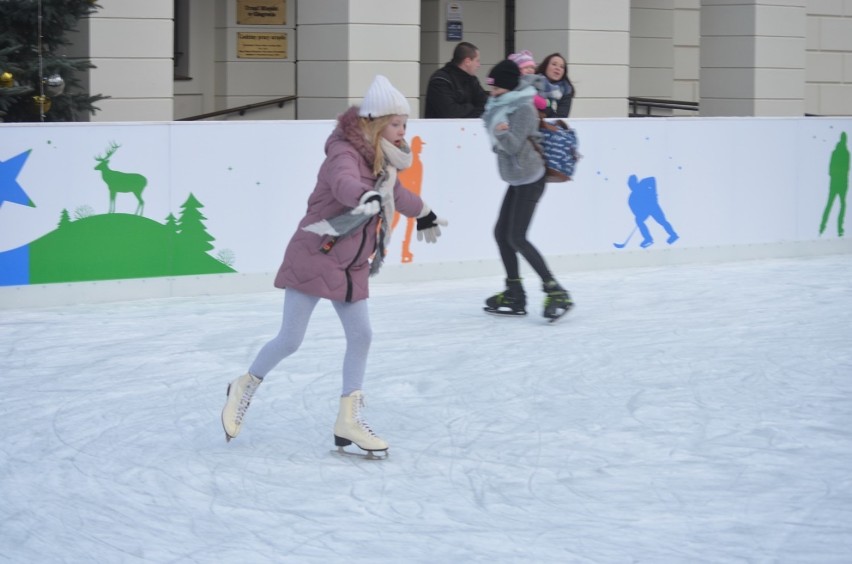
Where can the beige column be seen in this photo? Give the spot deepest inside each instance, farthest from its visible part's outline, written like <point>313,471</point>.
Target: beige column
<point>829,59</point>
<point>343,44</point>
<point>595,39</point>
<point>687,49</point>
<point>753,57</point>
<point>130,44</point>
<point>652,48</point>
<point>249,64</point>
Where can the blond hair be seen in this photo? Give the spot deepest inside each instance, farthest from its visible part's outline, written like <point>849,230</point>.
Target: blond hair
<point>373,128</point>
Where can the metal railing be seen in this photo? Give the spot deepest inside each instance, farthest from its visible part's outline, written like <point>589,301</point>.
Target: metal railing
<point>242,109</point>
<point>649,104</point>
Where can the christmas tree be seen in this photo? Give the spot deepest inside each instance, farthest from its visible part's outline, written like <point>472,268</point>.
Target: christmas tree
<point>37,81</point>
<point>192,228</point>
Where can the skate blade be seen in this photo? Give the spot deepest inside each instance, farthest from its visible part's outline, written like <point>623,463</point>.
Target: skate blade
<point>503,312</point>
<point>227,436</point>
<point>366,455</point>
<point>557,316</point>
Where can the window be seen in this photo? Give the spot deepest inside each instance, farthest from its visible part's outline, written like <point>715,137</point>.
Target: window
<point>181,40</point>
<point>509,29</point>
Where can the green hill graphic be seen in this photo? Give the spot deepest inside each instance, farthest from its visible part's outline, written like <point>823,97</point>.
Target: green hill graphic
<point>116,246</point>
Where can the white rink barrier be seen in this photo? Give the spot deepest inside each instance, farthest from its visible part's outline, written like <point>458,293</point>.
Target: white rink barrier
<point>109,203</point>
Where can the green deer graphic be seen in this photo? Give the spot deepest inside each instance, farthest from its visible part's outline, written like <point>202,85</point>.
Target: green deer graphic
<point>121,182</point>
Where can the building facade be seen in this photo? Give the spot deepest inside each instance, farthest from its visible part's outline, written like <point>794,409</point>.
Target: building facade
<point>163,60</point>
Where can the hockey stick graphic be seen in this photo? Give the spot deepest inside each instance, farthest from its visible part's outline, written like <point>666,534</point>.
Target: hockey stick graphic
<point>624,244</point>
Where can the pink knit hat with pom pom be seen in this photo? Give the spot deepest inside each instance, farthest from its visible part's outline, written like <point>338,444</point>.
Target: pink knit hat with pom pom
<point>523,59</point>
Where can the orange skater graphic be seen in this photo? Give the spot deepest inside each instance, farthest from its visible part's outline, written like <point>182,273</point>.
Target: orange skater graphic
<point>412,179</point>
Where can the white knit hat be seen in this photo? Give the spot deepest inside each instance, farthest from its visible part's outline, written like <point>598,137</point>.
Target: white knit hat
<point>382,99</point>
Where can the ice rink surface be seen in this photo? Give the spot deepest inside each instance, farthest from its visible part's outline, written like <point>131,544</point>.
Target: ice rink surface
<point>682,414</point>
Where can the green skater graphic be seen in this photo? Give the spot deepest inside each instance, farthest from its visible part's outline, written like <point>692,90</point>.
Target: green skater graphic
<point>838,172</point>
<point>120,182</point>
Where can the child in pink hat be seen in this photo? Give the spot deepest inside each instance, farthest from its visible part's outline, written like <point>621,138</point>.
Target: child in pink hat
<point>526,63</point>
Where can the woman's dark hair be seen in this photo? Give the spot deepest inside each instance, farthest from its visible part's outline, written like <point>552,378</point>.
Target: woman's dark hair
<point>546,61</point>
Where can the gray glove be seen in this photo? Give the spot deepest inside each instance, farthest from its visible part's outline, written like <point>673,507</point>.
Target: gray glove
<point>428,226</point>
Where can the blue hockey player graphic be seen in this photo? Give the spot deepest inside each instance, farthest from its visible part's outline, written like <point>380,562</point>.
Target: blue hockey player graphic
<point>644,204</point>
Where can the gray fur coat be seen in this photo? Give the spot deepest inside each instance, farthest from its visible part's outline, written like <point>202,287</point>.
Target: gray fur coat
<point>518,160</point>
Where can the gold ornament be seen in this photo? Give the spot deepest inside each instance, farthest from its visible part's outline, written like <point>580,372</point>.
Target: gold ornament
<point>41,104</point>
<point>7,80</point>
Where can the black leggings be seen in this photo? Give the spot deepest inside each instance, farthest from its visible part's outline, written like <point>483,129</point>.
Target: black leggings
<point>511,230</point>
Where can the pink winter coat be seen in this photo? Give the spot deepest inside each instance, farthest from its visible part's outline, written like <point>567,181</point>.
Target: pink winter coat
<point>344,176</point>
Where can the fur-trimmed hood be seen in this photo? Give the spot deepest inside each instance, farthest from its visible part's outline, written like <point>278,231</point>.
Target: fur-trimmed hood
<point>338,268</point>
<point>349,130</point>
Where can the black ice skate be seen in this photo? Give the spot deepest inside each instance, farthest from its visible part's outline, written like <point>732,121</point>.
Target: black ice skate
<point>557,302</point>
<point>512,302</point>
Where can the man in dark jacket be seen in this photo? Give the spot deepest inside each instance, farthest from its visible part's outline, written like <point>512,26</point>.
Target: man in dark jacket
<point>454,91</point>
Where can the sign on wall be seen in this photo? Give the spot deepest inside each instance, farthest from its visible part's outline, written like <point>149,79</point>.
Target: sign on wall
<point>255,45</point>
<point>262,12</point>
<point>455,25</point>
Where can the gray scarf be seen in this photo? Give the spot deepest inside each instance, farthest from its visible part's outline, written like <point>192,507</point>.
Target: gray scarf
<point>396,158</point>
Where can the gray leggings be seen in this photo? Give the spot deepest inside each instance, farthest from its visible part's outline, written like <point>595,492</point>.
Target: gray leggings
<point>298,308</point>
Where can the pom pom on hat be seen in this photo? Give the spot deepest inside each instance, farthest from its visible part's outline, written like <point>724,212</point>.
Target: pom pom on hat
<point>505,74</point>
<point>523,59</point>
<point>382,99</point>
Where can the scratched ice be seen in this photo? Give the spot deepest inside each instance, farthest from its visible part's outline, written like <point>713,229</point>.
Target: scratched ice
<point>698,413</point>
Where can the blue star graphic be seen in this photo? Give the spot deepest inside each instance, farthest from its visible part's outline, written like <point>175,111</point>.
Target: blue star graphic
<point>10,190</point>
